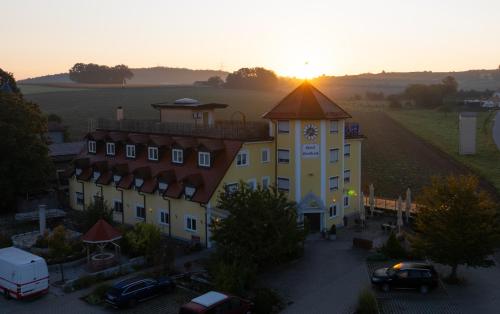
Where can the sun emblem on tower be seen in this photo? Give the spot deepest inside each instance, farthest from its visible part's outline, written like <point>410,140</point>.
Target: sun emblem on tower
<point>310,132</point>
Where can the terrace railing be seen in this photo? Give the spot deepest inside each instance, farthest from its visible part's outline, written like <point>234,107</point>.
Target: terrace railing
<point>221,129</point>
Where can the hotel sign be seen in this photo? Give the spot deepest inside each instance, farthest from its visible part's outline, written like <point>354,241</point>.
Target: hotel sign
<point>310,151</point>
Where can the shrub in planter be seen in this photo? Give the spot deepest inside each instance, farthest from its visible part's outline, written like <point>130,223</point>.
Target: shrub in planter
<point>393,248</point>
<point>367,304</point>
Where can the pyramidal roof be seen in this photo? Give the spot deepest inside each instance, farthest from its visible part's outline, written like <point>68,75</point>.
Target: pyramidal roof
<point>306,102</point>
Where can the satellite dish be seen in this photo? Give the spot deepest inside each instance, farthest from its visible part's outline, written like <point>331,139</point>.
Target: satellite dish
<point>496,129</point>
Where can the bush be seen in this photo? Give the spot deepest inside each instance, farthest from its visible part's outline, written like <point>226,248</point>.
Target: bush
<point>367,304</point>
<point>98,294</point>
<point>393,249</point>
<point>333,229</point>
<point>267,301</point>
<point>5,240</point>
<point>234,278</point>
<point>144,239</point>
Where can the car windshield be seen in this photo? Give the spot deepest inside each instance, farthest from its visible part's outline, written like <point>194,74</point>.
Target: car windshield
<point>392,270</point>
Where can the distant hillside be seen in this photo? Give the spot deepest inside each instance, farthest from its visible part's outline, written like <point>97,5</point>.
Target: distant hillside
<point>156,75</point>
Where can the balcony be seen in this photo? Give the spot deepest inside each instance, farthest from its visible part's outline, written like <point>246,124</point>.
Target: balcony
<point>235,130</point>
<point>352,130</point>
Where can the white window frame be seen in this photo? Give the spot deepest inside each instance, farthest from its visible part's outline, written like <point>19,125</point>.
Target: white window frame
<point>92,146</point>
<point>153,153</point>
<point>161,190</point>
<point>332,155</point>
<point>114,205</point>
<point>252,184</point>
<point>138,180</point>
<point>239,158</point>
<point>165,215</point>
<point>334,126</point>
<point>189,188</point>
<point>347,176</point>
<point>332,213</point>
<point>137,206</point>
<point>95,175</point>
<point>266,182</point>
<point>346,198</point>
<point>177,156</point>
<point>284,161</point>
<point>232,187</point>
<point>130,151</point>
<point>331,183</point>
<point>347,150</point>
<point>204,159</point>
<point>188,226</point>
<point>79,198</point>
<point>283,126</point>
<point>278,184</point>
<point>267,153</point>
<point>110,148</point>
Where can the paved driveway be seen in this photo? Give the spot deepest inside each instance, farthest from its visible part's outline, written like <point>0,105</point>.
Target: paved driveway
<point>327,279</point>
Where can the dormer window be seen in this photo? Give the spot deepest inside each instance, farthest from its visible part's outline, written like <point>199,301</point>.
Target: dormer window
<point>203,159</point>
<point>130,151</point>
<point>162,187</point>
<point>177,156</point>
<point>138,182</point>
<point>152,153</point>
<point>110,149</point>
<point>92,147</point>
<point>96,175</point>
<point>189,192</point>
<point>116,178</point>
<point>78,171</point>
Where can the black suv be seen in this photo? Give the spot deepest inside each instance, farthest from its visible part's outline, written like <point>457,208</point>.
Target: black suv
<point>406,275</point>
<point>130,291</point>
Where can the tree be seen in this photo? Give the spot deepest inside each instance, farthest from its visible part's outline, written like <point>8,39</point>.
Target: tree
<point>215,81</point>
<point>261,228</point>
<point>100,74</point>
<point>252,78</point>
<point>457,224</point>
<point>93,212</point>
<point>26,168</point>
<point>145,239</point>
<point>6,77</point>
<point>59,247</point>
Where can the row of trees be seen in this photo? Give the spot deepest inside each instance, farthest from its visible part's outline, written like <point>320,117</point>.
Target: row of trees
<point>245,78</point>
<point>100,74</point>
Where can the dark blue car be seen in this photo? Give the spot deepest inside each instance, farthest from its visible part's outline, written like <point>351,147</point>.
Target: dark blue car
<point>128,292</point>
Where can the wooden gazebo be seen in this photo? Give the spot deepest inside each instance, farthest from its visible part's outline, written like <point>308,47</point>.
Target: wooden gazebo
<point>102,234</point>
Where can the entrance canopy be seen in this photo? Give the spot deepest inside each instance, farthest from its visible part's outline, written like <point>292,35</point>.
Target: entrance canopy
<point>101,232</point>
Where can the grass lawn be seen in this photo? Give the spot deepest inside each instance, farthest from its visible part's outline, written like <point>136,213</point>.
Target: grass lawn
<point>27,89</point>
<point>441,129</point>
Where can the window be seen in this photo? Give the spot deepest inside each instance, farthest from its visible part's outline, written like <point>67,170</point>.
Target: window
<point>283,184</point>
<point>162,187</point>
<point>264,155</point>
<point>283,156</point>
<point>334,155</point>
<point>346,201</point>
<point>118,206</point>
<point>284,126</point>
<point>96,175</point>
<point>334,183</point>
<point>177,156</point>
<point>242,158</point>
<point>140,212</point>
<point>130,151</point>
<point>252,184</point>
<point>190,223</point>
<point>189,192</point>
<point>164,217</point>
<point>231,188</point>
<point>347,150</point>
<point>79,198</point>
<point>347,176</point>
<point>138,182</point>
<point>116,179</point>
<point>203,159</point>
<point>334,126</point>
<point>110,149</point>
<point>333,210</point>
<point>92,146</point>
<point>265,182</point>
<point>153,153</point>
<point>78,171</point>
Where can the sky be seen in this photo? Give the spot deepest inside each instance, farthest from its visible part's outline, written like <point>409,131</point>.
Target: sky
<point>293,38</point>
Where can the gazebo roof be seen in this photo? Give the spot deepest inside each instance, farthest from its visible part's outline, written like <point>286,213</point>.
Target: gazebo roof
<point>101,232</point>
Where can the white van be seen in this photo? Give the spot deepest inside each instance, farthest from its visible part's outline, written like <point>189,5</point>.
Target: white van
<point>22,274</point>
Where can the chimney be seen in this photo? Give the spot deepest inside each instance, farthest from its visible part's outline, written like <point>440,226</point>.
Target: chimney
<point>41,218</point>
<point>119,113</point>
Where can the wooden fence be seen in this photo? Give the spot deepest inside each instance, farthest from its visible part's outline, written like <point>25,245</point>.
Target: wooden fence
<point>388,204</point>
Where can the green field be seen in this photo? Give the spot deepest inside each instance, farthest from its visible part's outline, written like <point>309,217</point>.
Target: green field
<point>36,89</point>
<point>441,130</point>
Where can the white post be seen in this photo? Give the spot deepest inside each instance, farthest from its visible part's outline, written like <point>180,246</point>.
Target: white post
<point>41,218</point>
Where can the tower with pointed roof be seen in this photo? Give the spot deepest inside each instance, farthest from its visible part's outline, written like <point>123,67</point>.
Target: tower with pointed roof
<point>318,159</point>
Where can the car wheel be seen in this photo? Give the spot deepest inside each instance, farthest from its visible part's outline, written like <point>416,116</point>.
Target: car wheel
<point>132,303</point>
<point>424,289</point>
<point>385,287</point>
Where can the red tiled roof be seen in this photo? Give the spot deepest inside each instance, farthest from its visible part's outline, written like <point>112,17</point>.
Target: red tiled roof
<point>101,232</point>
<point>160,140</point>
<point>117,136</point>
<point>205,179</point>
<point>306,102</point>
<point>96,136</point>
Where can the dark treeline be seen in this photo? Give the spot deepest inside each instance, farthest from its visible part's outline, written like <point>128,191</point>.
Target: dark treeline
<point>99,74</point>
<point>245,78</point>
